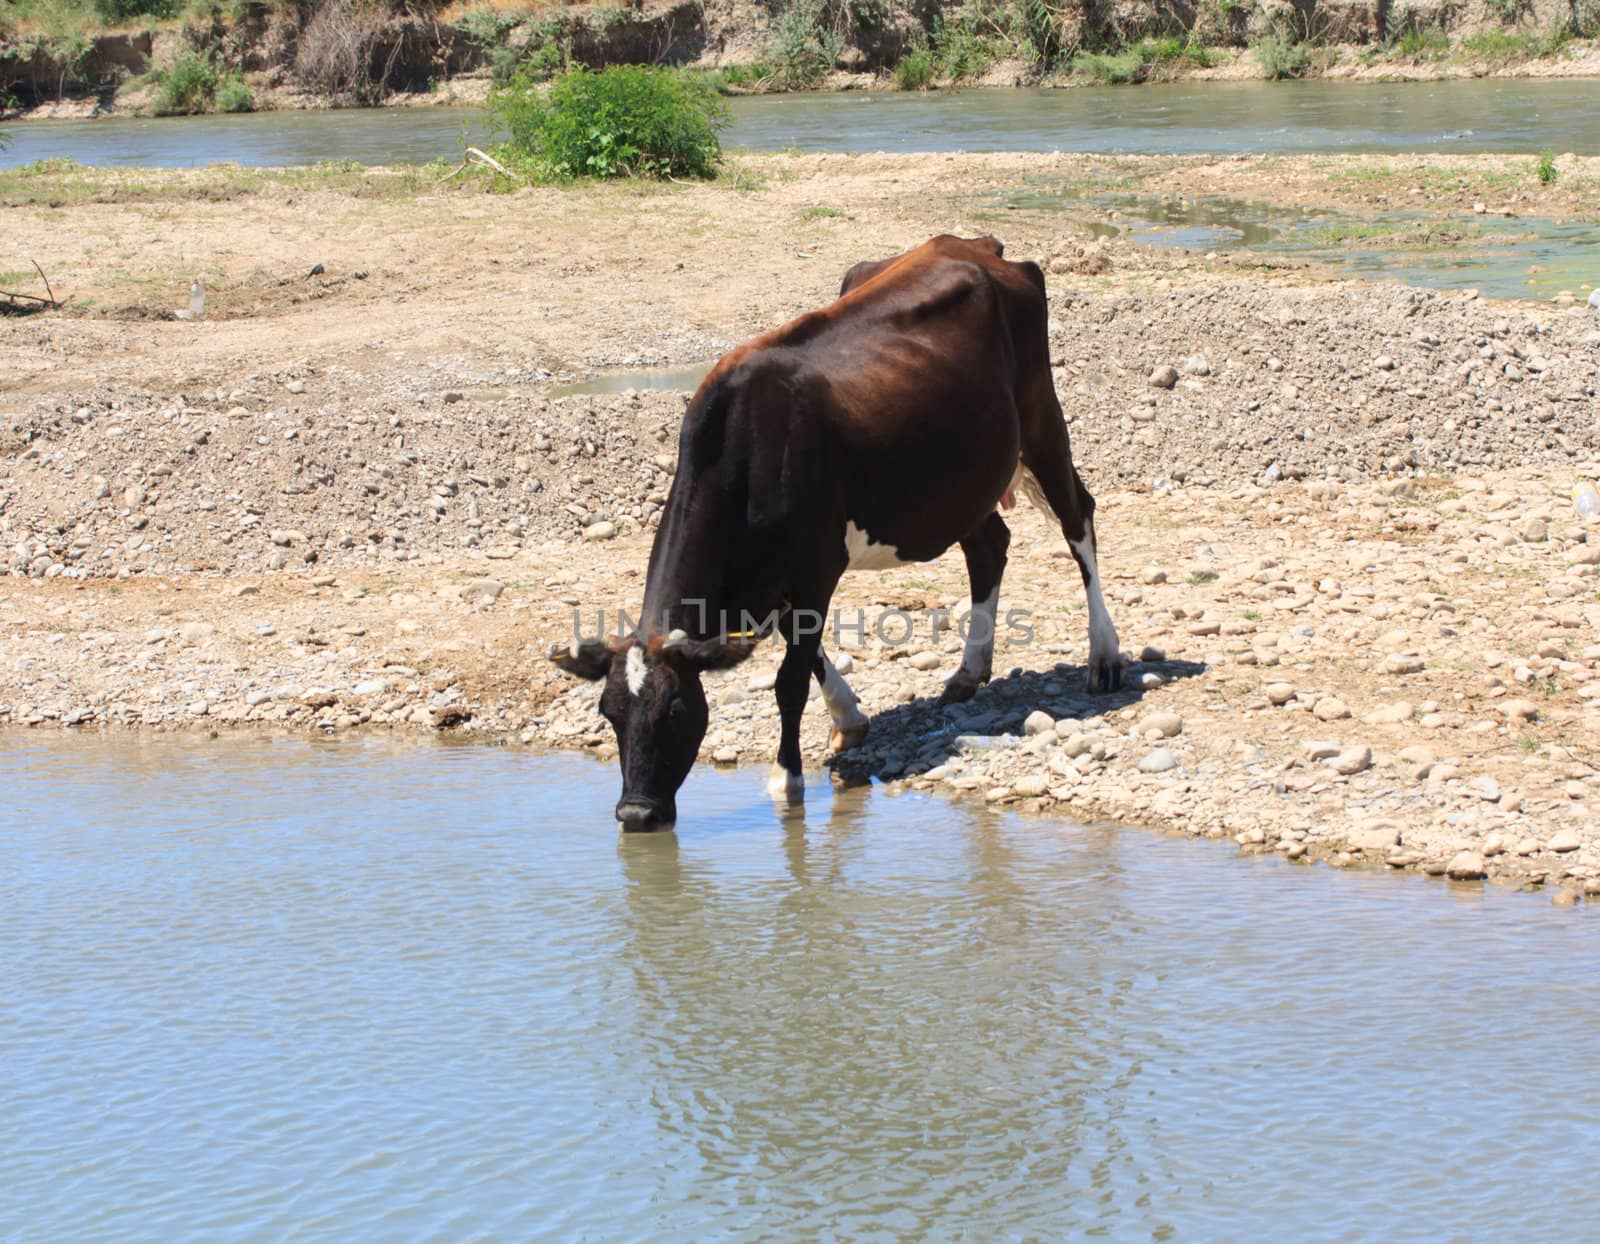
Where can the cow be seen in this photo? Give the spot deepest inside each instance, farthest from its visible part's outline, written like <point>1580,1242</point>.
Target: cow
<point>880,430</point>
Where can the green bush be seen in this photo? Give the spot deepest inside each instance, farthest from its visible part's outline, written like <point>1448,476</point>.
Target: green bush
<point>234,96</point>
<point>1545,167</point>
<point>1280,57</point>
<point>1429,43</point>
<point>915,70</point>
<point>961,48</point>
<point>806,42</point>
<point>623,121</point>
<point>116,12</point>
<point>1108,68</point>
<point>1500,46</point>
<point>187,85</point>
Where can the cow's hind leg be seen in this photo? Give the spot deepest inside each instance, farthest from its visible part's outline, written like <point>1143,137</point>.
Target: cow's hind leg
<point>985,548</point>
<point>1049,462</point>
<point>849,722</point>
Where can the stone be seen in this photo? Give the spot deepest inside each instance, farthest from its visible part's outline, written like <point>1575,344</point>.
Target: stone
<point>1465,866</point>
<point>1164,377</point>
<point>1197,365</point>
<point>1158,761</point>
<point>1166,725</point>
<point>196,632</point>
<point>1390,714</point>
<point>1520,710</point>
<point>1031,786</point>
<point>1320,749</point>
<point>600,531</point>
<point>1330,708</point>
<point>1396,663</point>
<point>482,591</point>
<point>1352,760</point>
<point>1375,836</point>
<point>1038,722</point>
<point>1564,840</point>
<point>926,661</point>
<point>1383,363</point>
<point>1279,693</point>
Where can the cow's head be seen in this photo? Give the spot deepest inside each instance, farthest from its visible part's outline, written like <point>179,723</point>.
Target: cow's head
<point>655,703</point>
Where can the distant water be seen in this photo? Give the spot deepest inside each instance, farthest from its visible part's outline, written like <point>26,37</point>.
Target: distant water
<point>1473,115</point>
<point>265,990</point>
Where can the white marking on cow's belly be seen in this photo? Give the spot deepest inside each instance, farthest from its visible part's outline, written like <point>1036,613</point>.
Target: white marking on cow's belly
<point>636,670</point>
<point>864,554</point>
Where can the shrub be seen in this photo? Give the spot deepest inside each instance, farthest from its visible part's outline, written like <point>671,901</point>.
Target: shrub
<point>1108,68</point>
<point>335,52</point>
<point>1280,57</point>
<point>915,70</point>
<point>1499,46</point>
<point>805,42</point>
<point>115,12</point>
<point>234,96</point>
<point>187,84</point>
<point>1429,43</point>
<point>1545,167</point>
<point>622,121</point>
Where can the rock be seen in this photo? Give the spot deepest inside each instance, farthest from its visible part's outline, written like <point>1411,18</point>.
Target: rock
<point>1152,575</point>
<point>1152,655</point>
<point>1038,722</point>
<point>1383,363</point>
<point>926,661</point>
<point>1375,836</point>
<point>844,662</point>
<point>1520,710</point>
<point>1465,866</point>
<point>319,697</point>
<point>726,756</point>
<point>1166,725</point>
<point>1320,749</point>
<point>1030,786</point>
<point>1330,708</point>
<point>1279,693</point>
<point>600,531</point>
<point>1564,840</point>
<point>1396,663</point>
<point>1197,365</point>
<point>1485,788</point>
<point>1390,714</point>
<point>196,632</point>
<point>1158,761</point>
<point>1352,760</point>
<point>482,591</point>
<point>1164,377</point>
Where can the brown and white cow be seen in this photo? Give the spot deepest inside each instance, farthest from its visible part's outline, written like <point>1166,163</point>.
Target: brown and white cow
<point>879,430</point>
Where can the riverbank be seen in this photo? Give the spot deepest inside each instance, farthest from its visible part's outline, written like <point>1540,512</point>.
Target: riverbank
<point>1338,544</point>
<point>274,57</point>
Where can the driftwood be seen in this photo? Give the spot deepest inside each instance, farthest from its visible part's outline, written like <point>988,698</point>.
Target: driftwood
<point>52,301</point>
<point>474,155</point>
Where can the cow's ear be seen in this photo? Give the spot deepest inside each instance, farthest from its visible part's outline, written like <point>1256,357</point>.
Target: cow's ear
<point>590,659</point>
<point>710,655</point>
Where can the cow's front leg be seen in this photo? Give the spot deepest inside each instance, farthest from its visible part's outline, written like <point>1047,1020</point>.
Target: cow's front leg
<point>794,677</point>
<point>985,548</point>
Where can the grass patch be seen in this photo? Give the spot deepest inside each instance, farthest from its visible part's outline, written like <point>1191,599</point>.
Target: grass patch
<point>1544,168</point>
<point>1201,577</point>
<point>824,213</point>
<point>64,182</point>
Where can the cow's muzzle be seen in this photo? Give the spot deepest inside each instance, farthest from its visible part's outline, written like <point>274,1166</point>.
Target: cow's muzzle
<point>635,816</point>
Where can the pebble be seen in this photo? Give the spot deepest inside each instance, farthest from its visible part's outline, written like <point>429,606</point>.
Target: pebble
<point>1158,761</point>
<point>1280,693</point>
<point>1164,725</point>
<point>926,661</point>
<point>602,530</point>
<point>1465,866</point>
<point>1564,840</point>
<point>1520,710</point>
<point>1038,722</point>
<point>1352,760</point>
<point>1395,663</point>
<point>1330,708</point>
<point>1164,377</point>
<point>482,591</point>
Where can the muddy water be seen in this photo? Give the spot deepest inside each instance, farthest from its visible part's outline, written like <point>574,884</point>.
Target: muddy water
<point>261,989</point>
<point>1462,116</point>
<point>1501,257</point>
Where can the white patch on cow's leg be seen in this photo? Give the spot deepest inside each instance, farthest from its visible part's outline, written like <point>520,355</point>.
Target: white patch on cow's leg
<point>636,669</point>
<point>977,662</point>
<point>1104,655</point>
<point>781,784</point>
<point>865,554</point>
<point>849,722</point>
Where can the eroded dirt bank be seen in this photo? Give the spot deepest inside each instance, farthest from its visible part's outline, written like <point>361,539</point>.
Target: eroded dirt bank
<point>1337,535</point>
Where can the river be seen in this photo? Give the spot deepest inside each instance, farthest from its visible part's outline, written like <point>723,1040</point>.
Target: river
<point>1475,115</point>
<point>259,989</point>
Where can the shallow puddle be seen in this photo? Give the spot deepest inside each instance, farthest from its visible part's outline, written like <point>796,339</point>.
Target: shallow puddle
<point>260,989</point>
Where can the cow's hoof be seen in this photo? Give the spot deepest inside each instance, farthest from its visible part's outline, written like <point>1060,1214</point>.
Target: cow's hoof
<point>785,785</point>
<point>961,688</point>
<point>1105,675</point>
<point>844,738</point>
